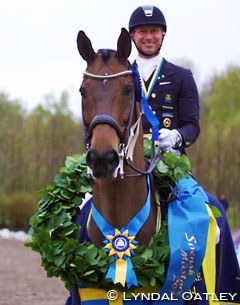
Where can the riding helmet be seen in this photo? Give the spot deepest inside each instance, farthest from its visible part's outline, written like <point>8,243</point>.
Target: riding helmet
<point>147,14</point>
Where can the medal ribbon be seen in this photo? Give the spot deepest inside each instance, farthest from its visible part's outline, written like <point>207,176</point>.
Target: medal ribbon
<point>151,117</point>
<point>121,269</point>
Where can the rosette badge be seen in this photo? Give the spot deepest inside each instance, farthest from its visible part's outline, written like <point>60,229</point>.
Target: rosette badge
<point>121,245</point>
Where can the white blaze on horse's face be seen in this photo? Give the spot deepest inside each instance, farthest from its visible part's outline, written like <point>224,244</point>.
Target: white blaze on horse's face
<point>107,100</point>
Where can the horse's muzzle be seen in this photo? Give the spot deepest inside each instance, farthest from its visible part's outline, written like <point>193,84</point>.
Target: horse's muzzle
<point>103,166</point>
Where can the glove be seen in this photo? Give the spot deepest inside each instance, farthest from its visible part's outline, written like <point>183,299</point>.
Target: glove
<point>169,139</point>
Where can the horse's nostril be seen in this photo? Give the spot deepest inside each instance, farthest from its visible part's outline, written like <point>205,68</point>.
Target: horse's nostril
<point>104,165</point>
<point>112,158</point>
<point>91,158</point>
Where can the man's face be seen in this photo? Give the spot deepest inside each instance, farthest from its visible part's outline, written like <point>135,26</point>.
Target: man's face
<point>148,40</point>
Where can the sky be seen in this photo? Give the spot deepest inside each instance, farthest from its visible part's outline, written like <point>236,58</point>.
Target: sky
<point>38,51</point>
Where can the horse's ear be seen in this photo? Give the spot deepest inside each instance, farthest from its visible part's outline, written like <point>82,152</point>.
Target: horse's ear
<point>85,48</point>
<point>124,45</point>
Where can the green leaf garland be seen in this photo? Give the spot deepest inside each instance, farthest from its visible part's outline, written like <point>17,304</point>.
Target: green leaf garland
<point>55,232</point>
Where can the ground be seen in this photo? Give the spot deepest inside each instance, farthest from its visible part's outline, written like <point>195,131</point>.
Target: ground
<point>22,279</point>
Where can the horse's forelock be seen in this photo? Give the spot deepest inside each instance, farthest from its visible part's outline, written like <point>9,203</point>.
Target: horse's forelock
<point>106,54</point>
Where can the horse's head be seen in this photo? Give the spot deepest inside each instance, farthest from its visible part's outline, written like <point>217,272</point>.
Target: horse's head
<point>108,104</point>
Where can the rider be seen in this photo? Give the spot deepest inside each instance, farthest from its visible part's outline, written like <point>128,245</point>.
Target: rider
<point>172,95</point>
<point>170,90</point>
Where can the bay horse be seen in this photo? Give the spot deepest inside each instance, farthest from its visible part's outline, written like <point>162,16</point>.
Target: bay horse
<point>109,110</point>
<point>116,165</point>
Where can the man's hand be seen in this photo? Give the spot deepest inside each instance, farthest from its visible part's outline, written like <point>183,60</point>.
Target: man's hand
<point>169,139</point>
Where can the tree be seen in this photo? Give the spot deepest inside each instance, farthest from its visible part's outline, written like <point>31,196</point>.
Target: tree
<point>11,133</point>
<point>215,156</point>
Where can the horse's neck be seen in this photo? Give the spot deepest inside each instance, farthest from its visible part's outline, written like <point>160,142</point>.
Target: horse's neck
<point>119,200</point>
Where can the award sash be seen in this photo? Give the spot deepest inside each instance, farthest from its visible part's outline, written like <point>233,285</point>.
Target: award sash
<point>188,223</point>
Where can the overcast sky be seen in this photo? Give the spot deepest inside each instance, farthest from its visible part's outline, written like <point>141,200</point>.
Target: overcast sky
<point>38,52</point>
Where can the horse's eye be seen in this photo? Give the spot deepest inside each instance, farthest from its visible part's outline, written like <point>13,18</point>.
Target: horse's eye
<point>82,90</point>
<point>128,90</point>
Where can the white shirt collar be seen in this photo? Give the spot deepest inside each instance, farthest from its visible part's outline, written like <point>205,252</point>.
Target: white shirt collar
<point>147,65</point>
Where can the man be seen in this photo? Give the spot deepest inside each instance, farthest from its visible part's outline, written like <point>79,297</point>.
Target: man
<point>172,95</point>
<point>170,90</point>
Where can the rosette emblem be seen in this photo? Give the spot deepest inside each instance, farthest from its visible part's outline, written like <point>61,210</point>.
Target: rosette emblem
<point>121,245</point>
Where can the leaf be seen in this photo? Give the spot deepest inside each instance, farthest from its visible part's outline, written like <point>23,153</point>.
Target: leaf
<point>147,148</point>
<point>162,167</point>
<point>59,260</point>
<point>183,159</point>
<point>85,188</point>
<point>138,261</point>
<point>77,200</point>
<point>66,194</point>
<point>70,160</point>
<point>170,159</point>
<point>69,245</point>
<point>160,269</point>
<point>49,188</point>
<point>216,212</point>
<point>152,281</point>
<point>147,254</point>
<point>143,281</point>
<point>89,272</point>
<point>179,173</point>
<point>92,252</point>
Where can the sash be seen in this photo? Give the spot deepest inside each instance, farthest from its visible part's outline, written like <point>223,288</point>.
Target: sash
<point>120,243</point>
<point>151,117</point>
<point>188,223</point>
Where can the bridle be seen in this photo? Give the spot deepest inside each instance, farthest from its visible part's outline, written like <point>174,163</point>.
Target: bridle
<point>104,118</point>
<point>128,137</point>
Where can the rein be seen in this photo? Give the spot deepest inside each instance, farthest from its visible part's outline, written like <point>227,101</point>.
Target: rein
<point>128,137</point>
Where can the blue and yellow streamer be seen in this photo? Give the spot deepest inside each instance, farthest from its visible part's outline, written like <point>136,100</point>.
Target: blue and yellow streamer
<point>121,243</point>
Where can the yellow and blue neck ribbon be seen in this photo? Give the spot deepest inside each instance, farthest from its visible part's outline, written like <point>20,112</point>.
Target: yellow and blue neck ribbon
<point>188,224</point>
<point>146,93</point>
<point>120,243</point>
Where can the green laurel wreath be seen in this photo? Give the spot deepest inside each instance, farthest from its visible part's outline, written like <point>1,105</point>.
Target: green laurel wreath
<point>55,233</point>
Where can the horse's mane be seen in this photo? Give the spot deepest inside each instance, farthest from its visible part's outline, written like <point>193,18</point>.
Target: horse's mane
<point>106,54</point>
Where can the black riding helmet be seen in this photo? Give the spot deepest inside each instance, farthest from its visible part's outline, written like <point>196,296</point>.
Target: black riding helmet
<point>147,14</point>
